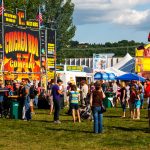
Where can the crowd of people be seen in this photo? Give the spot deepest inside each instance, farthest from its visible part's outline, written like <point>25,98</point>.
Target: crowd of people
<point>78,99</point>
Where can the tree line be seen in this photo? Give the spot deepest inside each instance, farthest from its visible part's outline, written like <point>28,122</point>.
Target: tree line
<point>86,50</point>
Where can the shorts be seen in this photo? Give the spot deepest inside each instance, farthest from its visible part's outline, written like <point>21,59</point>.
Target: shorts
<point>31,102</point>
<point>137,103</point>
<point>74,106</point>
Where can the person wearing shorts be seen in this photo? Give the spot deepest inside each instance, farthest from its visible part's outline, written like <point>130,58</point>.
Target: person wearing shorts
<point>137,105</point>
<point>74,100</point>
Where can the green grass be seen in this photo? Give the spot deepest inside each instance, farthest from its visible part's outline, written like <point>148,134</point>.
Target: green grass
<point>42,134</point>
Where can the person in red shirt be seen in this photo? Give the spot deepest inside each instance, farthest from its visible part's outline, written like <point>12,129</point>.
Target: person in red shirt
<point>147,95</point>
<point>132,101</point>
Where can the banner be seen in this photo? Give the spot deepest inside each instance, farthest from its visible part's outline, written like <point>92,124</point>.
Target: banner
<point>43,50</point>
<point>50,54</point>
<point>21,53</point>
<point>50,42</point>
<point>142,59</point>
<point>99,62</point>
<point>1,43</point>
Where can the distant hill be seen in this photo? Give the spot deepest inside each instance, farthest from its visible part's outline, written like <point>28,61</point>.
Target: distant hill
<point>83,50</point>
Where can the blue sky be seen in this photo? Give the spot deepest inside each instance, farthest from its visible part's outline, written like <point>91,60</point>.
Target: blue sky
<point>100,21</point>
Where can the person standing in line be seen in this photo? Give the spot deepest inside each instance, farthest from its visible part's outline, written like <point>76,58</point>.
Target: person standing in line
<point>128,94</point>
<point>141,90</point>
<point>32,96</point>
<point>96,99</point>
<point>26,96</point>
<point>114,90</point>
<point>84,92</point>
<point>56,92</point>
<point>123,97</point>
<point>1,98</point>
<point>132,101</point>
<point>50,97</point>
<point>74,100</point>
<point>137,105</point>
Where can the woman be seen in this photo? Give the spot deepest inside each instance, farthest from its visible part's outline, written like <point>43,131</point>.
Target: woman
<point>74,99</point>
<point>96,99</point>
<point>132,101</point>
<point>123,96</point>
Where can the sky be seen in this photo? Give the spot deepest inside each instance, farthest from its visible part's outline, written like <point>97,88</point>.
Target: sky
<point>100,21</point>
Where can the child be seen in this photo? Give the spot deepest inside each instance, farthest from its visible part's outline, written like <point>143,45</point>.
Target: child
<point>74,99</point>
<point>137,105</point>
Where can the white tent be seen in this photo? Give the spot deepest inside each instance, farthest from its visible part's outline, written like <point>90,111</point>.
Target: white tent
<point>117,72</point>
<point>123,61</point>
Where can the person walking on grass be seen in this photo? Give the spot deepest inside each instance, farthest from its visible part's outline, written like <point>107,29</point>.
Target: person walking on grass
<point>137,106</point>
<point>56,93</point>
<point>132,101</point>
<point>96,99</point>
<point>123,96</point>
<point>74,100</point>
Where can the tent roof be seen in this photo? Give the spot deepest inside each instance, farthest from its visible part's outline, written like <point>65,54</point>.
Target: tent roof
<point>130,76</point>
<point>117,72</point>
<point>126,64</point>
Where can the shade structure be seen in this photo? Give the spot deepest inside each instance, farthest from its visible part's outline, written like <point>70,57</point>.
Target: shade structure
<point>130,76</point>
<point>104,76</point>
<point>111,76</point>
<point>100,76</point>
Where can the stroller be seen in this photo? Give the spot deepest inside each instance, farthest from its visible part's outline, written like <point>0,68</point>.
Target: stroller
<point>86,113</point>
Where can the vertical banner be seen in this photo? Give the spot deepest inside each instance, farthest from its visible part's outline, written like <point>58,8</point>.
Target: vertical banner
<point>1,40</point>
<point>43,50</point>
<point>99,62</point>
<point>51,54</point>
<point>21,53</point>
<point>1,53</point>
<point>50,42</point>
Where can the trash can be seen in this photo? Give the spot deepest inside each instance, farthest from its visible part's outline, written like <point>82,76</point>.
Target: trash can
<point>107,101</point>
<point>15,109</point>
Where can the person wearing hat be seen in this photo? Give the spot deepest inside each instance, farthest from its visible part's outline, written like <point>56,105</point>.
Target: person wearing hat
<point>56,93</point>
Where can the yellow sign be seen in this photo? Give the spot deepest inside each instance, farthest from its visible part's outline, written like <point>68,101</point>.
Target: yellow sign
<point>74,68</point>
<point>50,75</point>
<point>51,48</point>
<point>50,62</point>
<point>34,24</point>
<point>10,18</point>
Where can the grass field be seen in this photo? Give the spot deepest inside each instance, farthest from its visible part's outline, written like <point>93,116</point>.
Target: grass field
<point>42,134</point>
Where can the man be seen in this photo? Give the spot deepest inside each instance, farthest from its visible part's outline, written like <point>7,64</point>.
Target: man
<point>56,92</point>
<point>1,98</point>
<point>26,97</point>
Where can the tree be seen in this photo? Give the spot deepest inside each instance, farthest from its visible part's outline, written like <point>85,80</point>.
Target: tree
<point>58,15</point>
<point>31,6</point>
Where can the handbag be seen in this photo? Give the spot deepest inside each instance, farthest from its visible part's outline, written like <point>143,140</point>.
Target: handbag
<point>103,109</point>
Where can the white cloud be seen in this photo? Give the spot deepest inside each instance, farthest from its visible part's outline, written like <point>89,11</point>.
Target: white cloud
<point>132,17</point>
<point>122,12</point>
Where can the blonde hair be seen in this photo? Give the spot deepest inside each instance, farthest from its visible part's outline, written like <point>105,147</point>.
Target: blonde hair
<point>123,84</point>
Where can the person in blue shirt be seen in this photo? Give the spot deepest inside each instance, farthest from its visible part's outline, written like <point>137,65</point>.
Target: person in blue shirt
<point>74,99</point>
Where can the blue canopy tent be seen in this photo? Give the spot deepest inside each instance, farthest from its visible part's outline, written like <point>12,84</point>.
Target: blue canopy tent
<point>130,76</point>
<point>104,76</point>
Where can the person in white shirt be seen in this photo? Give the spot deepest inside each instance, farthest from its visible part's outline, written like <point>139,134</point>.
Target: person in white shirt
<point>84,92</point>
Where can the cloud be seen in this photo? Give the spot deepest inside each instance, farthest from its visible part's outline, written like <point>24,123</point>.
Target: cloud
<point>121,12</point>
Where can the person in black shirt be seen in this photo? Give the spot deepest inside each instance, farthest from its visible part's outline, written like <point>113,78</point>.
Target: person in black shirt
<point>123,96</point>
